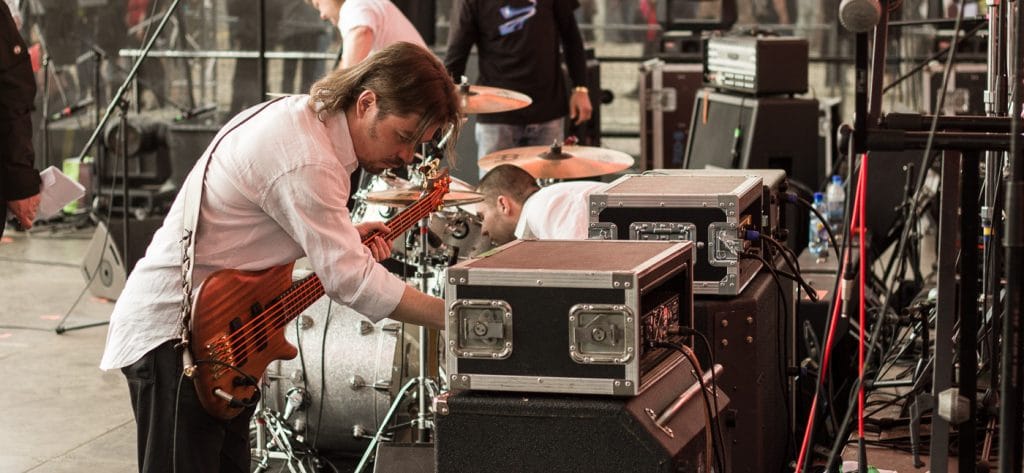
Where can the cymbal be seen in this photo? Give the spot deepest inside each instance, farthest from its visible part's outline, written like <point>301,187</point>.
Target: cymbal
<point>402,198</point>
<point>560,162</point>
<point>483,99</point>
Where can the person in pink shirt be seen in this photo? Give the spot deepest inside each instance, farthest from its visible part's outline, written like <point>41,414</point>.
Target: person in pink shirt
<point>274,191</point>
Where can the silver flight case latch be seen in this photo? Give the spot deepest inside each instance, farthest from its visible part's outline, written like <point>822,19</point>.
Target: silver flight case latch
<point>597,334</point>
<point>603,231</point>
<point>483,329</point>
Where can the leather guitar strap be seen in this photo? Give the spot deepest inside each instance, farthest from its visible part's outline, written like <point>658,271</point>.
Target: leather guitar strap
<point>193,196</point>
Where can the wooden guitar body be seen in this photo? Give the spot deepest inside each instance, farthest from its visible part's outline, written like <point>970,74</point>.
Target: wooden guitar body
<point>227,334</point>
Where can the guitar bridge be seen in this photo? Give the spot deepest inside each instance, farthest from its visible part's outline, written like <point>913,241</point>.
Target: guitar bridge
<point>221,353</point>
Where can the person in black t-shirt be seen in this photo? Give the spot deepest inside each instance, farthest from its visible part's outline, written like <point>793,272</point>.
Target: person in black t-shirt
<point>518,45</point>
<point>19,182</point>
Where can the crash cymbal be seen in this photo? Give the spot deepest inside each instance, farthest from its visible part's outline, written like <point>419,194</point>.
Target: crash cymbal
<point>403,198</point>
<point>483,99</point>
<point>560,162</point>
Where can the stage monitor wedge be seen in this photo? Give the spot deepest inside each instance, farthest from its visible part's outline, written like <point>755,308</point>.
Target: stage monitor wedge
<point>105,254</point>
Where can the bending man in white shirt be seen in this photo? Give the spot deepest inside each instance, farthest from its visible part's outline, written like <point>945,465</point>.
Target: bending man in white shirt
<point>367,26</point>
<point>514,206</point>
<point>275,190</point>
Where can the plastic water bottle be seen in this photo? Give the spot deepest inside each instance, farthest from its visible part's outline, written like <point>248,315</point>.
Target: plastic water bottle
<point>835,198</point>
<point>817,235</point>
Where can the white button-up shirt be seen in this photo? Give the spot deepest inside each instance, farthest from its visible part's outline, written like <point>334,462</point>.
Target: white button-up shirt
<point>558,212</point>
<point>275,191</point>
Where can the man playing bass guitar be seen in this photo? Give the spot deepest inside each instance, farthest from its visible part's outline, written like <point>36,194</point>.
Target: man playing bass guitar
<point>274,190</point>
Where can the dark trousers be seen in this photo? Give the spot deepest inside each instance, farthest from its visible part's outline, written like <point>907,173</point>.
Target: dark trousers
<point>205,444</point>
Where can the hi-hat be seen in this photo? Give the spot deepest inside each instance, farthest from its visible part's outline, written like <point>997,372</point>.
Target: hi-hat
<point>560,162</point>
<point>483,99</point>
<point>403,198</point>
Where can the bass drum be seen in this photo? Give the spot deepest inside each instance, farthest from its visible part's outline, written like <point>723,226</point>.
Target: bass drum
<point>349,370</point>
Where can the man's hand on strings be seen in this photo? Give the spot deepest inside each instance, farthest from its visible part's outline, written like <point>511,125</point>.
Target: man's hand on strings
<point>379,247</point>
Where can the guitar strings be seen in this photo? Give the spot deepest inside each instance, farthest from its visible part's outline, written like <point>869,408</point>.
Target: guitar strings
<point>311,287</point>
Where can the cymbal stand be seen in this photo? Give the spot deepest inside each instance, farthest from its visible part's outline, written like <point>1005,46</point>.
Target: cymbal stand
<point>426,388</point>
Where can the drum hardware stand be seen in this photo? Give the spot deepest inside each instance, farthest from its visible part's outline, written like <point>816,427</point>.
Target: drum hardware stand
<point>425,387</point>
<point>275,437</point>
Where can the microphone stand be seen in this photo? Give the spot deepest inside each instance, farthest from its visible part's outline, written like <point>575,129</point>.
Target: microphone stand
<point>970,144</point>
<point>115,102</point>
<point>1012,369</point>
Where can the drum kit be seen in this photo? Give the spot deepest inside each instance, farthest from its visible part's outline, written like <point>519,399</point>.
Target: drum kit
<point>353,380</point>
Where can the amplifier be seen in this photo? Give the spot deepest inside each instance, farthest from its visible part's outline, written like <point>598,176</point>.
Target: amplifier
<point>758,66</point>
<point>710,210</point>
<point>514,432</point>
<point>566,316</point>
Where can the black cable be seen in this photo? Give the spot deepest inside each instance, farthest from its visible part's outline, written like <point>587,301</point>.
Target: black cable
<point>323,373</point>
<point>174,429</point>
<point>796,276</point>
<point>714,384</point>
<point>713,418</point>
<point>831,236</point>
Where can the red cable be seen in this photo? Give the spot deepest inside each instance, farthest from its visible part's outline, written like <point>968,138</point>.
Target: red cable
<point>862,192</point>
<point>828,340</point>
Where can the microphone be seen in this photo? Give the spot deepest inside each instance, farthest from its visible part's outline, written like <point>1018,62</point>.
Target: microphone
<point>859,16</point>
<point>194,112</point>
<point>71,109</point>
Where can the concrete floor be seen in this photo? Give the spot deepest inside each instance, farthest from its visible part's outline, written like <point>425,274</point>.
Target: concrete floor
<point>60,412</point>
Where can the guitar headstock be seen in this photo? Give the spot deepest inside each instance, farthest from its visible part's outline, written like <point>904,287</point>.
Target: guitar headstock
<point>439,184</point>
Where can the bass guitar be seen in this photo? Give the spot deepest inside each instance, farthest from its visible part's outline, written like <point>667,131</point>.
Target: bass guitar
<point>239,317</point>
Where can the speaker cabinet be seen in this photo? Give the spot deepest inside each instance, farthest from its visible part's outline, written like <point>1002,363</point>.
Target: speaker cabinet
<point>187,142</point>
<point>513,432</point>
<point>740,132</point>
<point>745,334</point>
<point>105,266</point>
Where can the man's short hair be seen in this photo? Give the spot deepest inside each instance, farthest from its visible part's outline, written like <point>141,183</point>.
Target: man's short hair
<point>508,180</point>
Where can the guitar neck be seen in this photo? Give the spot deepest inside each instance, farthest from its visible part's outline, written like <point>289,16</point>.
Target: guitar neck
<point>309,289</point>
<point>405,219</point>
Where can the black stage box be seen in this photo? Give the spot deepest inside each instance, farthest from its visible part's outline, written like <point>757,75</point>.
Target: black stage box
<point>566,316</point>
<point>711,210</point>
<point>745,334</point>
<point>510,432</point>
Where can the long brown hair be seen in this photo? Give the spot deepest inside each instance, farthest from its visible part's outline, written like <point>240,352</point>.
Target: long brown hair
<point>407,80</point>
